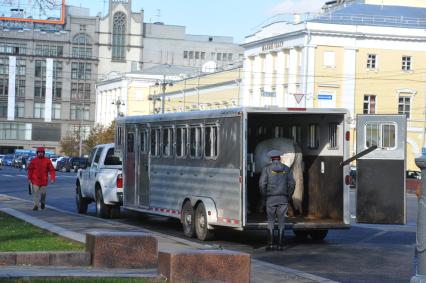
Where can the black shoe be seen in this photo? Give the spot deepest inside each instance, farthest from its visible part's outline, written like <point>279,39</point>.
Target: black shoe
<point>42,206</point>
<point>35,207</point>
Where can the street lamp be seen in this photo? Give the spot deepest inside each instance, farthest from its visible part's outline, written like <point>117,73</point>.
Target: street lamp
<point>163,83</point>
<point>118,104</point>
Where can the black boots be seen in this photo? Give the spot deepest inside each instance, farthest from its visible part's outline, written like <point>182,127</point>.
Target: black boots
<point>270,245</point>
<point>35,207</point>
<point>42,206</point>
<point>281,240</point>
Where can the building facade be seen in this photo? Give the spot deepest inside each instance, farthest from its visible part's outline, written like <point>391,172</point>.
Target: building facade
<point>367,57</point>
<point>47,80</point>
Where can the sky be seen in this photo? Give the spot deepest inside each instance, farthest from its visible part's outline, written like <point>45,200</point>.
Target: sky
<point>236,18</point>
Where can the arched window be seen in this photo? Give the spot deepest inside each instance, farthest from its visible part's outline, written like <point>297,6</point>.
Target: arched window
<point>118,36</point>
<point>81,46</point>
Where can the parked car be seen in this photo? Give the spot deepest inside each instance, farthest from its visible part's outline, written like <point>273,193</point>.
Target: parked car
<point>8,159</point>
<point>352,174</point>
<point>413,182</point>
<point>1,159</point>
<point>78,163</point>
<point>62,165</point>
<point>54,160</point>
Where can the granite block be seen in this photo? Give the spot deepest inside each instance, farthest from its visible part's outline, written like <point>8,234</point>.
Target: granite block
<point>70,259</point>
<point>7,258</point>
<point>32,258</point>
<point>122,249</point>
<point>204,265</point>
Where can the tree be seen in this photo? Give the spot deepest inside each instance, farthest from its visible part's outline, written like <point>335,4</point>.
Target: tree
<point>69,144</point>
<point>100,135</point>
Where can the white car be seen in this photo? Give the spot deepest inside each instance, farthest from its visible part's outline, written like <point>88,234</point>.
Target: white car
<point>54,161</point>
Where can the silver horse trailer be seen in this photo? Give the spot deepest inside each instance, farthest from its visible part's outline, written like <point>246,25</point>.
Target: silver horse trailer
<point>198,167</point>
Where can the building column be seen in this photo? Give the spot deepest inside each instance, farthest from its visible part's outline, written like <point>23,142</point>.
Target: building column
<point>268,79</point>
<point>246,98</point>
<point>257,79</point>
<point>280,74</point>
<point>348,90</point>
<point>308,71</point>
<point>292,78</point>
<point>11,94</point>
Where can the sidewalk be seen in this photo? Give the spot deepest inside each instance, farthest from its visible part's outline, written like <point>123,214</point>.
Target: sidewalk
<point>74,226</point>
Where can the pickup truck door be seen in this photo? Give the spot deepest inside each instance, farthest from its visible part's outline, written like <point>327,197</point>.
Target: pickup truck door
<point>143,167</point>
<point>380,179</point>
<point>94,169</point>
<point>85,174</point>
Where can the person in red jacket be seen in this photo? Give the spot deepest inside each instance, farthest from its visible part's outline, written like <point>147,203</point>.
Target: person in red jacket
<point>38,176</point>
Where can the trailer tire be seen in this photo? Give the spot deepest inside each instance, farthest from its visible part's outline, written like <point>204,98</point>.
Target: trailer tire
<point>188,220</point>
<point>301,234</point>
<point>102,210</point>
<point>201,226</point>
<point>81,202</point>
<point>318,235</point>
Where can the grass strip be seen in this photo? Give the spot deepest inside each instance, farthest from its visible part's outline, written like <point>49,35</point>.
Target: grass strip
<point>19,236</point>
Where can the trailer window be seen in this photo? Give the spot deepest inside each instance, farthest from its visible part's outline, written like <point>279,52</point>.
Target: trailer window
<point>181,138</point>
<point>130,142</point>
<point>381,134</point>
<point>167,142</point>
<point>279,132</point>
<point>296,134</point>
<point>313,136</point>
<point>195,142</point>
<point>332,136</point>
<point>155,142</point>
<point>144,141</point>
<point>210,142</point>
<point>119,135</point>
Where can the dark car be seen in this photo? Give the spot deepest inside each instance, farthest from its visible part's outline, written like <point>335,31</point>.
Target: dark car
<point>413,182</point>
<point>352,173</point>
<point>61,165</point>
<point>8,160</point>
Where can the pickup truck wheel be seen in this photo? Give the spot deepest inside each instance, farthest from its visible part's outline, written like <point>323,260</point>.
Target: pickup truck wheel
<point>81,203</point>
<point>201,227</point>
<point>102,210</point>
<point>188,220</point>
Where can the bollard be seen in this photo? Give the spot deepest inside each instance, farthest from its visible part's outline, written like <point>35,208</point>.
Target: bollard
<point>420,276</point>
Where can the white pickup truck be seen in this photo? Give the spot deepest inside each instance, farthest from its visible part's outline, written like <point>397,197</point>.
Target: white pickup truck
<point>101,181</point>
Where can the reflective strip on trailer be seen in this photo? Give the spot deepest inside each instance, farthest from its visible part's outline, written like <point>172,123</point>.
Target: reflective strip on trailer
<point>228,221</point>
<point>165,210</point>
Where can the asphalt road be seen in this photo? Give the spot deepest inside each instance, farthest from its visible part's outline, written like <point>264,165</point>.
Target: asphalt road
<point>364,253</point>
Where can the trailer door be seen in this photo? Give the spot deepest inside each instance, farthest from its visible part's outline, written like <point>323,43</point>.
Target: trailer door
<point>381,173</point>
<point>143,167</point>
<point>129,168</point>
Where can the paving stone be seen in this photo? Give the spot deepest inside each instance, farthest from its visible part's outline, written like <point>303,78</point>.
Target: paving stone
<point>122,249</point>
<point>204,265</point>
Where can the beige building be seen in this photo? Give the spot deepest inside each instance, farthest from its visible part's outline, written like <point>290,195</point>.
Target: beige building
<point>370,63</point>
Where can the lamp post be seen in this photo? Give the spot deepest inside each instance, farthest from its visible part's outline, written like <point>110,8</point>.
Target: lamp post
<point>163,83</point>
<point>118,104</point>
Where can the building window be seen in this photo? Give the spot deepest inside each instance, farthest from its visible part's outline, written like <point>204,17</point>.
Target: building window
<point>79,112</point>
<point>19,109</point>
<point>369,105</point>
<point>57,90</point>
<point>404,103</point>
<point>81,71</point>
<point>56,111</point>
<point>191,55</point>
<point>203,55</point>
<point>13,131</point>
<point>4,87</point>
<point>38,110</point>
<point>57,69</point>
<point>13,48</point>
<point>40,68</point>
<point>3,109</point>
<point>20,88</point>
<point>21,67</point>
<point>118,36</point>
<point>185,54</point>
<point>329,59</point>
<point>39,89</point>
<point>406,63</point>
<point>371,61</point>
<point>82,46</point>
<point>4,66</point>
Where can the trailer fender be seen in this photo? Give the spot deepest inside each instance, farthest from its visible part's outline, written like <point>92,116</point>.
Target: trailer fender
<point>210,208</point>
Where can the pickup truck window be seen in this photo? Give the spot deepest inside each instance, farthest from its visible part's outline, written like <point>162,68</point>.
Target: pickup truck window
<point>92,155</point>
<point>111,159</point>
<point>98,155</point>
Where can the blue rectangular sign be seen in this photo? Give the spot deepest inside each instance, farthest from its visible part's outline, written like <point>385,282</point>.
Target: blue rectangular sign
<point>325,97</point>
<point>269,93</point>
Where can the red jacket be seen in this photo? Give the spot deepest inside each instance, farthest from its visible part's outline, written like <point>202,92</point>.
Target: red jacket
<point>38,170</point>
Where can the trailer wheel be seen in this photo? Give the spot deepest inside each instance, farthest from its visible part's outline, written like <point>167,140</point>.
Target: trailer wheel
<point>201,229</point>
<point>318,235</point>
<point>301,234</point>
<point>188,220</point>
<point>102,210</point>
<point>81,202</point>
